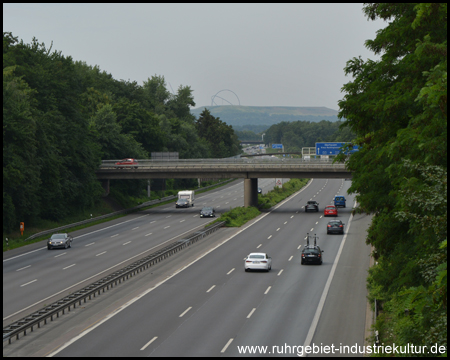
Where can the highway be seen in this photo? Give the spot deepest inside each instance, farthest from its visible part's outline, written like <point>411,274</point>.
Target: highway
<point>34,276</point>
<point>211,307</point>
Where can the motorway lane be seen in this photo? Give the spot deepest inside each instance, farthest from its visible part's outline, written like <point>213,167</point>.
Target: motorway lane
<point>31,279</point>
<point>226,311</point>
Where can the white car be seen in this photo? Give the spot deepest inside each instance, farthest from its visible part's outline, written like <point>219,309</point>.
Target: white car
<point>258,261</point>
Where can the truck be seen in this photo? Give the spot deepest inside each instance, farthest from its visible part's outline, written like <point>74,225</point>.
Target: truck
<point>187,195</point>
<point>339,200</point>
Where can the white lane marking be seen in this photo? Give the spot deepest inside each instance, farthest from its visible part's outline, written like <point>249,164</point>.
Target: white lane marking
<point>280,272</point>
<point>132,301</point>
<point>126,243</point>
<point>229,272</point>
<point>251,313</point>
<point>291,257</point>
<point>259,246</point>
<point>135,228</point>
<point>69,266</point>
<point>317,222</point>
<point>268,289</point>
<point>285,222</point>
<point>226,345</point>
<point>185,311</point>
<point>195,215</point>
<point>148,234</point>
<point>321,216</point>
<point>168,216</point>
<point>311,229</point>
<point>90,244</point>
<point>152,221</point>
<point>115,235</point>
<point>212,287</point>
<point>319,309</point>
<point>29,283</point>
<point>60,255</point>
<point>269,237</point>
<point>299,247</point>
<point>23,268</point>
<point>278,229</point>
<point>101,253</point>
<point>292,216</point>
<point>182,221</point>
<point>167,227</point>
<point>143,348</point>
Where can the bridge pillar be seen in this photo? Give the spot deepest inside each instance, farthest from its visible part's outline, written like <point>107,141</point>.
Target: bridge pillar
<point>105,185</point>
<point>250,192</point>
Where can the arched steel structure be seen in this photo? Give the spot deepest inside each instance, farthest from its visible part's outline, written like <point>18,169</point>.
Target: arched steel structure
<point>214,96</point>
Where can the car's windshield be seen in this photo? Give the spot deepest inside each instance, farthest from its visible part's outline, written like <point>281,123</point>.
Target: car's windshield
<point>58,236</point>
<point>256,256</point>
<point>311,202</point>
<point>182,200</point>
<point>207,209</point>
<point>329,207</point>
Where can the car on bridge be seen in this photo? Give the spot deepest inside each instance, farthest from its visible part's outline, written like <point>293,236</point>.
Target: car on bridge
<point>335,226</point>
<point>258,261</point>
<point>59,241</point>
<point>312,205</point>
<point>330,210</point>
<point>125,163</point>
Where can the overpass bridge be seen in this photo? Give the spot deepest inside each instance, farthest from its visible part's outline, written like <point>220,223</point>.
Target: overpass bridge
<point>248,169</point>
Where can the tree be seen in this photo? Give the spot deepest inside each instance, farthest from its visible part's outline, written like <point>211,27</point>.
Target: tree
<point>397,106</point>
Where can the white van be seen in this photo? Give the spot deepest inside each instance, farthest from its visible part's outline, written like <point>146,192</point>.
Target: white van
<point>188,195</point>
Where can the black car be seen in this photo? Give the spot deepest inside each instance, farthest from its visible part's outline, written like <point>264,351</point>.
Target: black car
<point>312,205</point>
<point>335,226</point>
<point>182,203</point>
<point>311,254</point>
<point>207,212</point>
<point>59,241</point>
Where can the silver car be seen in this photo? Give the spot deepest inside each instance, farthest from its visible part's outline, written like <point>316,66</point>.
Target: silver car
<point>59,241</point>
<point>258,261</point>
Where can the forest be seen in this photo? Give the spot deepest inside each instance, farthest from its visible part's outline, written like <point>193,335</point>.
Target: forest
<point>297,134</point>
<point>62,117</point>
<point>397,107</point>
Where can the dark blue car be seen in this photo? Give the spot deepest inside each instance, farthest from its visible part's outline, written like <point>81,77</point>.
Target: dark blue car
<point>339,200</point>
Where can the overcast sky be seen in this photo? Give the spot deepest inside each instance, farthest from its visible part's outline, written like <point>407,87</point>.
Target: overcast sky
<point>267,54</point>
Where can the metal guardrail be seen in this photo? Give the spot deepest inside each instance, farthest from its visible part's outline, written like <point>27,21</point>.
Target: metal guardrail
<point>59,307</point>
<point>148,203</point>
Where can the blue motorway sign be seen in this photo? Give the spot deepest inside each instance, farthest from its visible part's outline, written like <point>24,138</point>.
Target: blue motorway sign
<point>332,148</point>
<point>277,146</point>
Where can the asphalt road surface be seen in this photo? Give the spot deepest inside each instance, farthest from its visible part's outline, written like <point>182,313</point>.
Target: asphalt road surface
<point>204,304</point>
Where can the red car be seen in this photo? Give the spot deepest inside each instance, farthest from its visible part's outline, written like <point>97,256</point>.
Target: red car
<point>330,210</point>
<point>128,162</point>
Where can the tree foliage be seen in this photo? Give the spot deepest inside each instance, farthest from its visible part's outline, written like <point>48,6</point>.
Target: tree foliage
<point>297,134</point>
<point>61,118</point>
<point>397,106</point>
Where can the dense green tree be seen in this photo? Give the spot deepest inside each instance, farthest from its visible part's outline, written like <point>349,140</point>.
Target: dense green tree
<point>221,138</point>
<point>397,106</point>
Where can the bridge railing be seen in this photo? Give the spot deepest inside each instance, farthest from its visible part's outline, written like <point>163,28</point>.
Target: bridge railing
<point>243,161</point>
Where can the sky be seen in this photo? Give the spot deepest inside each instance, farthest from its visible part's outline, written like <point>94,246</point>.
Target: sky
<point>247,54</point>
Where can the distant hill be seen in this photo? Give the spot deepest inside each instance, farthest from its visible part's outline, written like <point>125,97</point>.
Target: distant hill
<point>239,116</point>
